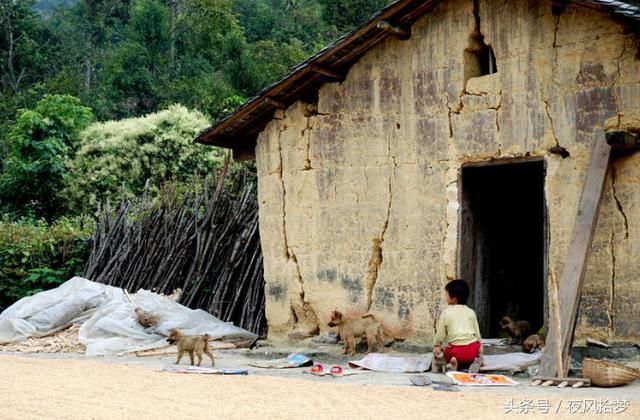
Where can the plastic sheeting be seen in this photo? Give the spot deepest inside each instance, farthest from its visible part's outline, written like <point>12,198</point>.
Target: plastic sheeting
<point>512,362</point>
<point>110,324</point>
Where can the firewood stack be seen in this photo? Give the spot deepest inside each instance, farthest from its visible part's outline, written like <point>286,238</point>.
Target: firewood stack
<point>206,244</point>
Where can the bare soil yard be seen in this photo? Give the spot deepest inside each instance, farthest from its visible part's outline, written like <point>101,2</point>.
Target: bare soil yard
<point>72,386</point>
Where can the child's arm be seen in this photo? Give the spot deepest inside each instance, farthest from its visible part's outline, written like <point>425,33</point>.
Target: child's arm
<point>441,331</point>
<point>477,332</point>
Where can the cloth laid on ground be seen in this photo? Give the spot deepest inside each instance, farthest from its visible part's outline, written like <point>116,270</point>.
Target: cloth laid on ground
<point>292,361</point>
<point>394,364</point>
<point>480,379</point>
<point>204,370</point>
<point>110,324</point>
<point>510,362</point>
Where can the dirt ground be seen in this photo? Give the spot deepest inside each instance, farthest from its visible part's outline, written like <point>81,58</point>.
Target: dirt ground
<point>72,386</point>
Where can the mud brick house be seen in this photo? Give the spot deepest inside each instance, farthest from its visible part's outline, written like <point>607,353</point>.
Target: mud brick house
<point>447,139</point>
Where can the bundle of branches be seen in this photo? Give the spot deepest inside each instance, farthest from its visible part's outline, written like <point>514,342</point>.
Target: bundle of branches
<point>205,243</point>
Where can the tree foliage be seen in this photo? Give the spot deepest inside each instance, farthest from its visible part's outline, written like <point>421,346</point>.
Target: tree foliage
<point>129,58</point>
<point>126,63</point>
<point>41,145</point>
<point>36,256</point>
<point>118,157</point>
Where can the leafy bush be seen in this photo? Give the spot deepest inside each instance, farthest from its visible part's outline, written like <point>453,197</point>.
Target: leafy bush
<point>40,147</point>
<point>35,256</point>
<point>118,157</point>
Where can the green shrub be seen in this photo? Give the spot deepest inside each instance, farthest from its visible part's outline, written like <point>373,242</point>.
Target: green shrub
<point>35,256</point>
<point>40,145</point>
<point>118,157</point>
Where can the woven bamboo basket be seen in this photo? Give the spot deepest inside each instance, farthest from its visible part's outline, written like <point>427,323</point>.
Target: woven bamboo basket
<point>606,374</point>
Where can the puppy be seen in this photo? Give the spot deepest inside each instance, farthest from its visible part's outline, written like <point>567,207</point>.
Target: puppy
<point>534,341</point>
<point>191,344</point>
<point>352,328</point>
<point>517,330</point>
<point>438,364</point>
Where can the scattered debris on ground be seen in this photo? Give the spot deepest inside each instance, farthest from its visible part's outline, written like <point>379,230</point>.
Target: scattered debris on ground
<point>64,341</point>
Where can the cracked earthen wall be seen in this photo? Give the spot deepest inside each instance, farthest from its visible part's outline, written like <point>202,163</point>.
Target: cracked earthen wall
<point>359,196</point>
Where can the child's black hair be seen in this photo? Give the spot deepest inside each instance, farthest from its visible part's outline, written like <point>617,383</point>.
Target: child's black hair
<point>458,289</point>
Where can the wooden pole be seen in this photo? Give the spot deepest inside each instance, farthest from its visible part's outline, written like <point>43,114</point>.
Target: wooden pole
<point>572,279</point>
<point>555,311</point>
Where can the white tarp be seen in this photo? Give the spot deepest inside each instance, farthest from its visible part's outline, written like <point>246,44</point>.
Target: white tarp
<point>110,324</point>
<point>395,364</point>
<point>512,362</point>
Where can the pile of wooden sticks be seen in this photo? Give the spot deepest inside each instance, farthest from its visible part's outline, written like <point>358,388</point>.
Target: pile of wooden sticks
<point>205,243</point>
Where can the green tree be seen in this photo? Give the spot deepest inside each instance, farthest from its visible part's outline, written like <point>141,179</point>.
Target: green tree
<point>274,59</point>
<point>22,45</point>
<point>118,157</point>
<point>40,146</point>
<point>149,26</point>
<point>26,51</point>
<point>283,21</point>
<point>346,15</point>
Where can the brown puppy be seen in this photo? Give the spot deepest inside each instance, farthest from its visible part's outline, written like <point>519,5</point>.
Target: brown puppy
<point>517,330</point>
<point>533,342</point>
<point>438,364</point>
<point>191,344</point>
<point>352,328</point>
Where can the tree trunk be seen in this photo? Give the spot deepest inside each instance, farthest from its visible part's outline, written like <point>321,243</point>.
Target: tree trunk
<point>86,71</point>
<point>173,15</point>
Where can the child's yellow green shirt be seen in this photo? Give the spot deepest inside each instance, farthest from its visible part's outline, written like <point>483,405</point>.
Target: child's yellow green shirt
<point>458,324</point>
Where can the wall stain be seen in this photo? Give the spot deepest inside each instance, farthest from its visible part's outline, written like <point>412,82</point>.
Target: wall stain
<point>353,287</point>
<point>328,275</point>
<point>276,291</point>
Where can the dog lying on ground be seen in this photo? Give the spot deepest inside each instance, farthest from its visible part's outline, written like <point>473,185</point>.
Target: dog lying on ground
<point>352,328</point>
<point>517,330</point>
<point>191,344</point>
<point>534,341</point>
<point>438,364</point>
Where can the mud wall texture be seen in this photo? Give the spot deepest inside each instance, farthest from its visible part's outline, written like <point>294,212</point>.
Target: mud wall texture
<point>359,199</point>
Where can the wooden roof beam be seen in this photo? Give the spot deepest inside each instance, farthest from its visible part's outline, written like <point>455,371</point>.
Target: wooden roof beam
<point>326,72</point>
<point>398,31</point>
<point>623,140</point>
<point>274,103</point>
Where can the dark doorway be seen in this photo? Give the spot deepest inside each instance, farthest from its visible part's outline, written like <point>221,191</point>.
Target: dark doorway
<point>502,252</point>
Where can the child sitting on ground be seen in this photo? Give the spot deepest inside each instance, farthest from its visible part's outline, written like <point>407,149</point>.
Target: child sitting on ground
<point>459,326</point>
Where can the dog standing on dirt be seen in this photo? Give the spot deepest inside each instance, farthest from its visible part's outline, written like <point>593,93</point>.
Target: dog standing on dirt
<point>517,330</point>
<point>438,363</point>
<point>352,328</point>
<point>191,344</point>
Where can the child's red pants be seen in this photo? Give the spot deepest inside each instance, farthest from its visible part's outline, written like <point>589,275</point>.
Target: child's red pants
<point>464,354</point>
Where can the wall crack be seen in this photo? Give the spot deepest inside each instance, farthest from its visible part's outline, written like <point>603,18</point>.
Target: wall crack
<point>618,203</point>
<point>554,67</point>
<point>306,134</point>
<point>375,260</point>
<point>305,320</point>
<point>612,285</point>
<point>616,83</point>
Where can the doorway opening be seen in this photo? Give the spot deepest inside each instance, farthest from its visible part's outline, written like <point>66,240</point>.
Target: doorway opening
<point>503,245</point>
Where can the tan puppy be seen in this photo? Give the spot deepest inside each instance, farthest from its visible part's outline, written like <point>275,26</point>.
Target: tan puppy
<point>438,364</point>
<point>517,330</point>
<point>191,344</point>
<point>352,328</point>
<point>534,341</point>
